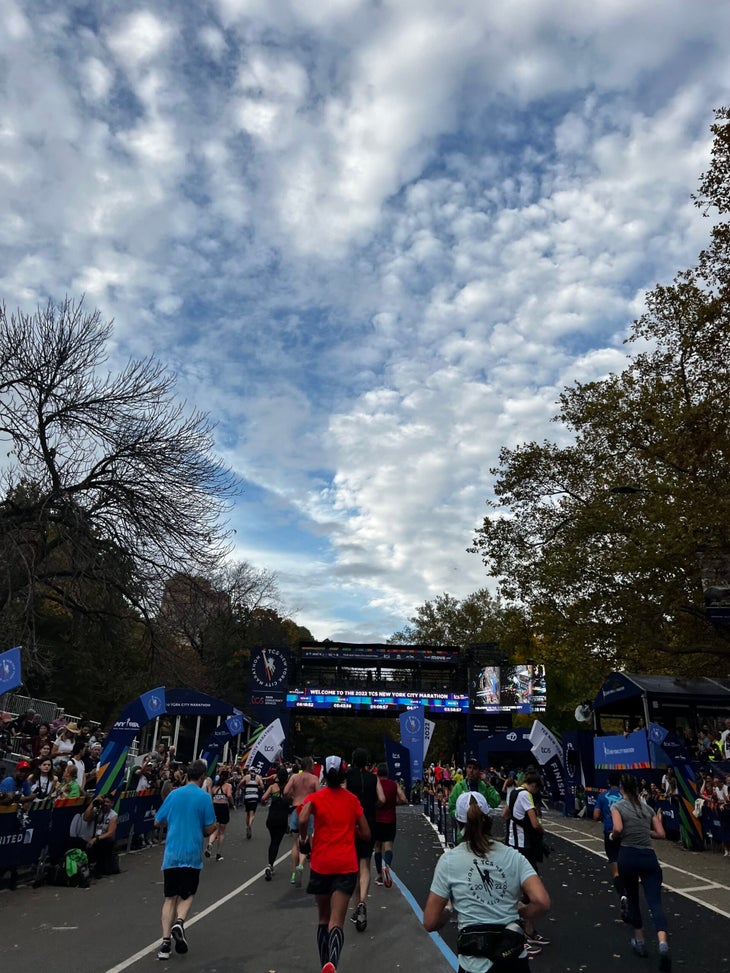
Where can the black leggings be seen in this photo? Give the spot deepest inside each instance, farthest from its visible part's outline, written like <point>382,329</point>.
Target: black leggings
<point>276,835</point>
<point>640,865</point>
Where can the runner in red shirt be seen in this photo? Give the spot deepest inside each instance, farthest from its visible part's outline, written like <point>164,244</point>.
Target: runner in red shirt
<point>385,824</point>
<point>339,819</point>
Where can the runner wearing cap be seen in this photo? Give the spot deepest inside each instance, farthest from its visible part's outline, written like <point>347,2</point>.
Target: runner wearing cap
<point>487,883</point>
<point>339,819</point>
<point>472,783</point>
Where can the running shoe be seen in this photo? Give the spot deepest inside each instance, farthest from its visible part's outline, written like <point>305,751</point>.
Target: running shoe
<point>178,934</point>
<point>531,951</point>
<point>639,947</point>
<point>329,968</point>
<point>387,880</point>
<point>379,880</point>
<point>537,939</point>
<point>624,908</point>
<point>361,917</point>
<point>293,879</point>
<point>207,851</point>
<point>165,950</point>
<point>219,858</point>
<point>665,960</point>
<point>268,873</point>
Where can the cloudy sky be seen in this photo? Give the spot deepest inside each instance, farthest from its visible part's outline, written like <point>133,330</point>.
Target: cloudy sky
<point>373,239</point>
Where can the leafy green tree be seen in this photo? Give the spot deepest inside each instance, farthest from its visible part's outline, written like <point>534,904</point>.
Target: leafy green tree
<point>446,620</point>
<point>611,541</point>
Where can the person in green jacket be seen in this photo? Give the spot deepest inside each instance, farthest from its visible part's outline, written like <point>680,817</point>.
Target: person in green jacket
<point>473,782</point>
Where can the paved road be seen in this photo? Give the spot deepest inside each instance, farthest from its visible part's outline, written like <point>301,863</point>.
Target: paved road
<point>241,923</point>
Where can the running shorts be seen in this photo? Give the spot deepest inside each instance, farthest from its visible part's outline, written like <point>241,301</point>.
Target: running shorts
<point>327,884</point>
<point>612,848</point>
<point>294,822</point>
<point>384,831</point>
<point>222,812</point>
<point>182,882</point>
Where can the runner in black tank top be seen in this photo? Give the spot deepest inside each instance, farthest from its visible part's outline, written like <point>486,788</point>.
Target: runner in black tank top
<point>365,785</point>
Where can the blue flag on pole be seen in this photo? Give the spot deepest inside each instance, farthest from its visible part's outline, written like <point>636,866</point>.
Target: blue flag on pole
<point>411,736</point>
<point>10,670</point>
<point>398,760</point>
<point>657,734</point>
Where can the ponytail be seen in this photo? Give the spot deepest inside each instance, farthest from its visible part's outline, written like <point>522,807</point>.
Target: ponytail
<point>631,791</point>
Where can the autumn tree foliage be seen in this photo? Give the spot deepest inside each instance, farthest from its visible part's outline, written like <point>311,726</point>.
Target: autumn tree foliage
<point>612,541</point>
<point>208,625</point>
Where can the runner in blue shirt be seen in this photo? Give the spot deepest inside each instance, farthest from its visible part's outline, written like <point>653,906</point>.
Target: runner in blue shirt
<point>602,812</point>
<point>188,813</point>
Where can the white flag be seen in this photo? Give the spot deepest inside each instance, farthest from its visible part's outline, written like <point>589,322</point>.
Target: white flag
<point>428,728</point>
<point>545,744</point>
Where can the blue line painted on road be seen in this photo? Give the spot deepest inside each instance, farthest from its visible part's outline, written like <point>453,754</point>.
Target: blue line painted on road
<point>448,954</point>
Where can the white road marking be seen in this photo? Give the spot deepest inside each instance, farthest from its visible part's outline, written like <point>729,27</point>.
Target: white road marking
<point>154,946</point>
<point>562,830</point>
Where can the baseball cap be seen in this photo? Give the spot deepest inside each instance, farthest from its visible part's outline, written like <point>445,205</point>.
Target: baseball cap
<point>332,763</point>
<point>463,801</point>
<point>22,765</point>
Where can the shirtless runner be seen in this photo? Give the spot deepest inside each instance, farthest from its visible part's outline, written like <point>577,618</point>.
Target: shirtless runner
<point>297,788</point>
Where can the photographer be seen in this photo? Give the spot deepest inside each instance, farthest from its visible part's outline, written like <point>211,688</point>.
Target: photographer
<point>100,847</point>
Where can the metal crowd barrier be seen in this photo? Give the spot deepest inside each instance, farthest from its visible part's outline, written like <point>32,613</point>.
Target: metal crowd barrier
<point>438,814</point>
<point>42,835</point>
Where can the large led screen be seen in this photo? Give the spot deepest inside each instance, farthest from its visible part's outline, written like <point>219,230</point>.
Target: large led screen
<point>509,689</point>
<point>342,700</point>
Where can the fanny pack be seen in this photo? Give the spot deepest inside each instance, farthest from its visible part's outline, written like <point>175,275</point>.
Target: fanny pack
<point>493,942</point>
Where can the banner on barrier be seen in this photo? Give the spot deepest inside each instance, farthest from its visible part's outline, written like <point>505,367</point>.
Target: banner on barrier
<point>21,843</point>
<point>628,752</point>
